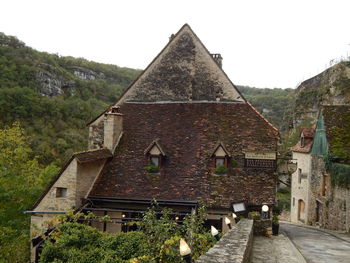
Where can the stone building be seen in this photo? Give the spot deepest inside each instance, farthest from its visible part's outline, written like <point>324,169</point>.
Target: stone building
<point>181,134</point>
<point>320,186</point>
<point>299,180</point>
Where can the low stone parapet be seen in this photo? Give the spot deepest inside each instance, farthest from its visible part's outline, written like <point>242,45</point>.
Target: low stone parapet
<point>234,247</point>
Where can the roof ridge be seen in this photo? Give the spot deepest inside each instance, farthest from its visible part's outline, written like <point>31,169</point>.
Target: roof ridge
<point>172,39</point>
<point>263,117</point>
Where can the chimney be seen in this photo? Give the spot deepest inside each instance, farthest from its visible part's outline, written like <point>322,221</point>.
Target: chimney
<point>171,37</point>
<point>218,59</point>
<point>113,127</point>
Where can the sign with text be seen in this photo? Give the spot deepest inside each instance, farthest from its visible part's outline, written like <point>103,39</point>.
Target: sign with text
<point>261,155</point>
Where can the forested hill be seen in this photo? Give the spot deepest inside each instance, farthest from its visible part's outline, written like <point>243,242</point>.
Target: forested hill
<point>53,97</point>
<point>275,104</point>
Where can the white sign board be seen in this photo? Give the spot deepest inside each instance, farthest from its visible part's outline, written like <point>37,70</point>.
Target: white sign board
<point>239,207</point>
<point>261,155</point>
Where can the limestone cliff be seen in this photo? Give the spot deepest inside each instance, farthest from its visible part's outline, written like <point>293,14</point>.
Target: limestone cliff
<point>331,87</point>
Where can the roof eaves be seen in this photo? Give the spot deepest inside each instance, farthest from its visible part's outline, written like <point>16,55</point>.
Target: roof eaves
<point>266,120</point>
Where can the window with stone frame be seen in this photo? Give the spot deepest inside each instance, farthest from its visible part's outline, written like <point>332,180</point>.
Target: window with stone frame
<point>299,175</point>
<point>324,185</point>
<point>61,192</point>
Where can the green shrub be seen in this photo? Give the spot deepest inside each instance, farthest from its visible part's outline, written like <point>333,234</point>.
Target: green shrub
<point>126,245</point>
<point>151,168</point>
<point>234,163</point>
<point>157,241</point>
<point>220,170</point>
<point>254,215</point>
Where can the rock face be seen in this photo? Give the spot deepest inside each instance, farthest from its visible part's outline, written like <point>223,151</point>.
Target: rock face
<point>87,74</point>
<point>331,87</point>
<point>51,85</point>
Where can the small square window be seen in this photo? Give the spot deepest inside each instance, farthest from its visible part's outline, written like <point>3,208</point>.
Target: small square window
<point>155,160</point>
<point>219,162</point>
<point>61,192</point>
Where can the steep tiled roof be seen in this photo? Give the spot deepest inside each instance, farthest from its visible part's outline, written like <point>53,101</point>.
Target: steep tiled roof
<point>189,131</point>
<point>183,71</point>
<point>308,133</point>
<point>93,155</point>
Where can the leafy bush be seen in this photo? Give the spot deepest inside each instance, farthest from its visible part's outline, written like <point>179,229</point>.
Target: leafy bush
<point>220,170</point>
<point>158,240</point>
<point>340,173</point>
<point>73,242</point>
<point>254,215</point>
<point>151,168</point>
<point>126,245</point>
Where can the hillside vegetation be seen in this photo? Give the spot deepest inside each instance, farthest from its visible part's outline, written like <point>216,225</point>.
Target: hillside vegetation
<point>45,102</point>
<point>275,104</point>
<point>53,97</point>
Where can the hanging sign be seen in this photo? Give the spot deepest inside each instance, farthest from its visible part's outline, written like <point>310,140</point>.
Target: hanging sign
<point>261,155</point>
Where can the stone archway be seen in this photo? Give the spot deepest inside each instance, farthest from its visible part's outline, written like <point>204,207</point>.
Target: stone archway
<point>301,210</point>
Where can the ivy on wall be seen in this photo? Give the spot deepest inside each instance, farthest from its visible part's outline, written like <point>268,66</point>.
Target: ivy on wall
<point>340,173</point>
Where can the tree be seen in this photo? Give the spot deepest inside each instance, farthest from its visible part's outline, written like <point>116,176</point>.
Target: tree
<point>21,181</point>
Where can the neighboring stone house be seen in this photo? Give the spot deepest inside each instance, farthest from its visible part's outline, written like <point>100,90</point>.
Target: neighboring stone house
<point>181,134</point>
<point>300,178</point>
<point>325,191</point>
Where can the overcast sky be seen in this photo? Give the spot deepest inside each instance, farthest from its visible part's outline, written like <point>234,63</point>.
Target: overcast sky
<point>264,43</point>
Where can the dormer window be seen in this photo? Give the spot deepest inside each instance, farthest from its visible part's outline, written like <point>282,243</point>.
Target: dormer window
<point>221,156</point>
<point>155,155</point>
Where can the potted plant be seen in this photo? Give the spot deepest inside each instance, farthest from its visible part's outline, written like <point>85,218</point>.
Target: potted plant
<point>275,224</point>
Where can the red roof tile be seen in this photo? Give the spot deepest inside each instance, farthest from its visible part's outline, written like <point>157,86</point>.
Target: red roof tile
<point>189,132</point>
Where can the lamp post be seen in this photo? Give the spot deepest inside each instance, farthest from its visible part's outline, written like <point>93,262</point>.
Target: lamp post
<point>228,222</point>
<point>265,212</point>
<point>214,232</point>
<point>185,251</point>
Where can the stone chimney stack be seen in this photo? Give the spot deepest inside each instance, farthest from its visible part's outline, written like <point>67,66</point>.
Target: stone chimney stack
<point>113,127</point>
<point>218,59</point>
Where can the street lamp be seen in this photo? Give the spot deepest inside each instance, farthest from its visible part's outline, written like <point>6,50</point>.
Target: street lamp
<point>214,232</point>
<point>185,251</point>
<point>265,212</point>
<point>228,222</point>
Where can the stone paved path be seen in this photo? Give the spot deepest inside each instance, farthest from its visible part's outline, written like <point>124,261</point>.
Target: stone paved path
<point>275,249</point>
<point>317,246</point>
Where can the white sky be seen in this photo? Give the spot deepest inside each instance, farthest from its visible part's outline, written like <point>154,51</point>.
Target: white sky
<point>264,43</point>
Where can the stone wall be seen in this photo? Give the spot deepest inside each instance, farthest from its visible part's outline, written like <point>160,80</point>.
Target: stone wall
<point>234,247</point>
<point>329,208</point>
<point>262,227</point>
